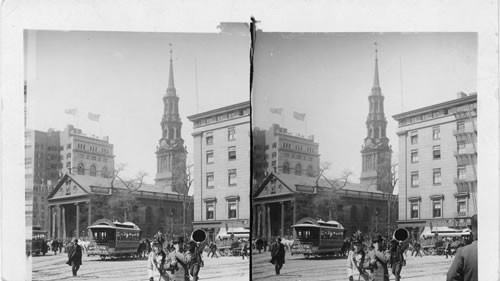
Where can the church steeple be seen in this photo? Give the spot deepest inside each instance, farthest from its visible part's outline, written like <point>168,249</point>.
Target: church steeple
<point>171,85</point>
<point>170,153</point>
<point>376,84</point>
<point>376,152</point>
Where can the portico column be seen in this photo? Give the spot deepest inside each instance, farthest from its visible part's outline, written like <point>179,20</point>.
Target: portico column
<point>268,214</point>
<point>282,219</point>
<point>259,220</point>
<point>294,217</point>
<point>63,217</point>
<point>89,214</point>
<point>58,217</point>
<point>77,235</point>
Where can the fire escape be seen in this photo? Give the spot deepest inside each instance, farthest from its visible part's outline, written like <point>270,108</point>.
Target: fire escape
<point>466,156</point>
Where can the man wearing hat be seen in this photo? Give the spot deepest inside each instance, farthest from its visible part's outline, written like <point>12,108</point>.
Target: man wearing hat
<point>160,264</point>
<point>74,255</point>
<point>357,264</point>
<point>397,259</point>
<point>464,266</point>
<point>379,258</point>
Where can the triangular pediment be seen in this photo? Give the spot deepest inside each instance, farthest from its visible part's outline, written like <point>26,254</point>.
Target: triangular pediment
<point>67,187</point>
<point>272,186</point>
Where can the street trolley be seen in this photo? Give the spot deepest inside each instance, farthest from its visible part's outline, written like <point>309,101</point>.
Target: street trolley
<point>39,241</point>
<point>317,238</point>
<point>113,239</point>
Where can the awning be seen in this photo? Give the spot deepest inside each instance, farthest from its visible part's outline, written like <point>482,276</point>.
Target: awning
<point>238,232</point>
<point>444,231</point>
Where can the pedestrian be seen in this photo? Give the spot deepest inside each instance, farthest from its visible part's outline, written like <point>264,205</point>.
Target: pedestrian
<point>213,250</point>
<point>278,256</point>
<point>74,255</point>
<point>54,246</point>
<point>264,244</point>
<point>159,264</point>
<point>244,250</point>
<point>416,249</point>
<point>464,266</point>
<point>397,259</point>
<point>259,243</point>
<point>379,258</point>
<point>357,262</point>
<point>447,249</point>
<point>195,261</point>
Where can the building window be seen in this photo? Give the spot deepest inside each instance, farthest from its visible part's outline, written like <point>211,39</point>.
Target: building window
<point>414,179</point>
<point>231,177</point>
<point>81,169</point>
<point>414,209</point>
<point>93,171</point>
<point>310,171</point>
<point>209,137</point>
<point>461,207</point>
<point>210,157</point>
<point>461,147</point>
<point>436,208</point>
<point>461,173</point>
<point>436,133</point>
<point>231,153</point>
<point>436,152</point>
<point>274,144</point>
<point>232,210</point>
<point>436,176</point>
<point>68,146</point>
<point>104,172</point>
<point>286,168</point>
<point>298,169</point>
<point>210,180</point>
<point>414,137</point>
<point>460,127</point>
<point>231,134</point>
<point>210,210</point>
<point>414,156</point>
<point>273,155</point>
<point>68,156</point>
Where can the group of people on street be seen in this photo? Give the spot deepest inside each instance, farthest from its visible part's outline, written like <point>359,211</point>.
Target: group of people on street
<point>170,261</point>
<point>374,263</point>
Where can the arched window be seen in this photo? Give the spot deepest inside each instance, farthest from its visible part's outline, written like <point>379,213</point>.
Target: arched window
<point>104,172</point>
<point>286,168</point>
<point>370,131</point>
<point>354,213</point>
<point>298,169</point>
<point>310,171</point>
<point>366,214</point>
<point>149,214</point>
<point>170,133</point>
<point>81,169</point>
<point>377,132</point>
<point>93,171</point>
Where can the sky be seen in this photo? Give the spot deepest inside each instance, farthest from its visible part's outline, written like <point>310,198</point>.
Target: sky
<point>329,76</point>
<point>123,76</point>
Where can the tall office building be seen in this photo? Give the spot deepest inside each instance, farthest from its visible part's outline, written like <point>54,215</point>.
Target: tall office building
<point>437,164</point>
<point>222,169</point>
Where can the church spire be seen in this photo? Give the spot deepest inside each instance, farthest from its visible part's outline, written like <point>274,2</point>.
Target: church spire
<point>171,85</point>
<point>376,84</point>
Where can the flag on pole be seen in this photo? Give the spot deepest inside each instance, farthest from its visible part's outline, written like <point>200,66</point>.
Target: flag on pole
<point>276,110</point>
<point>94,117</point>
<point>299,116</point>
<point>71,111</point>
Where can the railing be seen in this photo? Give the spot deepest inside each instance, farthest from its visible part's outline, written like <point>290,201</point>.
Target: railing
<point>461,214</point>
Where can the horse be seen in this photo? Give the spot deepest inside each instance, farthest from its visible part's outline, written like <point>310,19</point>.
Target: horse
<point>288,244</point>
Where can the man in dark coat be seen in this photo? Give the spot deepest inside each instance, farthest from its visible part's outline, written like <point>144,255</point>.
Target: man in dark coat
<point>74,255</point>
<point>379,258</point>
<point>464,266</point>
<point>397,259</point>
<point>278,256</point>
<point>259,243</point>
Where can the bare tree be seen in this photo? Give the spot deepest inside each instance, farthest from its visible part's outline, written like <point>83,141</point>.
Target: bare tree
<point>131,184</point>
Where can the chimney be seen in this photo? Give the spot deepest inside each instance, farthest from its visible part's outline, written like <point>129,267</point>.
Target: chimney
<point>461,95</point>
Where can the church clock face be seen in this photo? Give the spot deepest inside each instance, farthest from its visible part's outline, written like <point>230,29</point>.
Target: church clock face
<point>163,142</point>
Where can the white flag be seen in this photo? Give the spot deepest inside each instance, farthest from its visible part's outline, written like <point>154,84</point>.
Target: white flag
<point>71,111</point>
<point>94,117</point>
